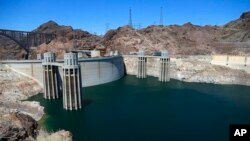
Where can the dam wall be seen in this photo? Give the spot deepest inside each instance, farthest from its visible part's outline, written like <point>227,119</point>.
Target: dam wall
<point>30,68</point>
<point>94,71</point>
<point>101,70</point>
<point>234,62</point>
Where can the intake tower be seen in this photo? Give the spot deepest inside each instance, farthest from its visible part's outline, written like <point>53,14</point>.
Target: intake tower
<point>71,82</point>
<point>50,76</point>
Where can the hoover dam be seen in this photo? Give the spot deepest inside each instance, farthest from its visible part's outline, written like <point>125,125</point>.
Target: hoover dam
<point>102,70</point>
<point>124,70</point>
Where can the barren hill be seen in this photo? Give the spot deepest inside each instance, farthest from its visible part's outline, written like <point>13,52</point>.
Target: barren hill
<point>66,38</point>
<point>187,39</point>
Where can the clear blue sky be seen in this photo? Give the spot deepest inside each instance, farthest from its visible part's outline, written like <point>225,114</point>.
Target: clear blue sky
<point>93,15</point>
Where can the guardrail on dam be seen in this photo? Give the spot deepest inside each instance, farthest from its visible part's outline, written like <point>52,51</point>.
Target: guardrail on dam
<point>94,70</point>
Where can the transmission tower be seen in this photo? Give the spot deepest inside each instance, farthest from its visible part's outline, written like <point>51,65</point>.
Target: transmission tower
<point>161,17</point>
<point>107,27</point>
<point>74,40</point>
<point>130,18</point>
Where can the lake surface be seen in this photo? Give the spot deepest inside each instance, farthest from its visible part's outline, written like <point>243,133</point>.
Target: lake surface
<point>132,109</point>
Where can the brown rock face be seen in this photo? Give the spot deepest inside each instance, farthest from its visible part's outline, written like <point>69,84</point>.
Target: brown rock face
<point>245,15</point>
<point>17,126</point>
<point>66,38</point>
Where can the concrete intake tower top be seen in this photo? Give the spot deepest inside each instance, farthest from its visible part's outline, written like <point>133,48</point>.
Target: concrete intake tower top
<point>70,60</point>
<point>164,54</point>
<point>141,53</point>
<point>49,57</point>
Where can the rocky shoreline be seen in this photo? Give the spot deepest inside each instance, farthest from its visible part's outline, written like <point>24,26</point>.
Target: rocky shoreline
<point>14,88</point>
<point>19,119</point>
<point>199,69</point>
<point>193,69</point>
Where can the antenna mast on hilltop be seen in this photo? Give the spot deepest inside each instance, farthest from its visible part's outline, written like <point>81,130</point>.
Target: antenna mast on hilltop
<point>107,27</point>
<point>161,17</point>
<point>130,18</point>
<point>74,40</point>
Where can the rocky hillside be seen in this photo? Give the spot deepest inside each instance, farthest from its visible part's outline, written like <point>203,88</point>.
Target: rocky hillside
<point>17,126</point>
<point>67,33</point>
<point>66,39</point>
<point>187,39</point>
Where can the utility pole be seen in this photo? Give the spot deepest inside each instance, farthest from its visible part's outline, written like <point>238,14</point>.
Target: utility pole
<point>74,40</point>
<point>130,18</point>
<point>107,27</point>
<point>161,17</point>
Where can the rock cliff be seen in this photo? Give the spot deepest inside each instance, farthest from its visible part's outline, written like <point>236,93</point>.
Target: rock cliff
<point>17,126</point>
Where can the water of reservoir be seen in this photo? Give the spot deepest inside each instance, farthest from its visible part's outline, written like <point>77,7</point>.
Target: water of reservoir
<point>132,109</point>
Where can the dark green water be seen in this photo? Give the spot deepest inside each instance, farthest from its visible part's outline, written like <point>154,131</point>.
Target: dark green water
<point>132,109</point>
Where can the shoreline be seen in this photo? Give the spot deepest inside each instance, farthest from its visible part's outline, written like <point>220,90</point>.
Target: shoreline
<point>15,109</point>
<point>194,69</point>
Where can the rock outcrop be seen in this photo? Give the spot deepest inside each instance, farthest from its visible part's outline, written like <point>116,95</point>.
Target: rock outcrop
<point>17,126</point>
<point>61,135</point>
<point>15,87</point>
<point>66,39</point>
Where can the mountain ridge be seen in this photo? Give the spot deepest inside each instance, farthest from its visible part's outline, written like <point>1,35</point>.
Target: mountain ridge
<point>187,39</point>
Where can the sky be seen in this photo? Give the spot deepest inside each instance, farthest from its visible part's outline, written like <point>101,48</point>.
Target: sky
<point>96,16</point>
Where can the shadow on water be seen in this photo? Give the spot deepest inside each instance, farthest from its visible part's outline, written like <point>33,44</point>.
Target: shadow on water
<point>86,102</point>
<point>145,109</point>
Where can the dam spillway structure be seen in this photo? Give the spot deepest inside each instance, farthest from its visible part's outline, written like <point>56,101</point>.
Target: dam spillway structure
<point>71,82</point>
<point>141,65</point>
<point>164,67</point>
<point>50,76</point>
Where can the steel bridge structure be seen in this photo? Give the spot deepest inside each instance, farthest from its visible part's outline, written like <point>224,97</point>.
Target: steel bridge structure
<point>26,39</point>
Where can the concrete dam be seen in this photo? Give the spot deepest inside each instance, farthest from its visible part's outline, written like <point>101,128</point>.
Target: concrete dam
<point>67,77</point>
<point>94,71</point>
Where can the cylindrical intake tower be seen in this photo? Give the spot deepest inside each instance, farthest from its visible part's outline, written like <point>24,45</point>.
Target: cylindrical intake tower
<point>141,65</point>
<point>164,67</point>
<point>72,86</point>
<point>50,76</point>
